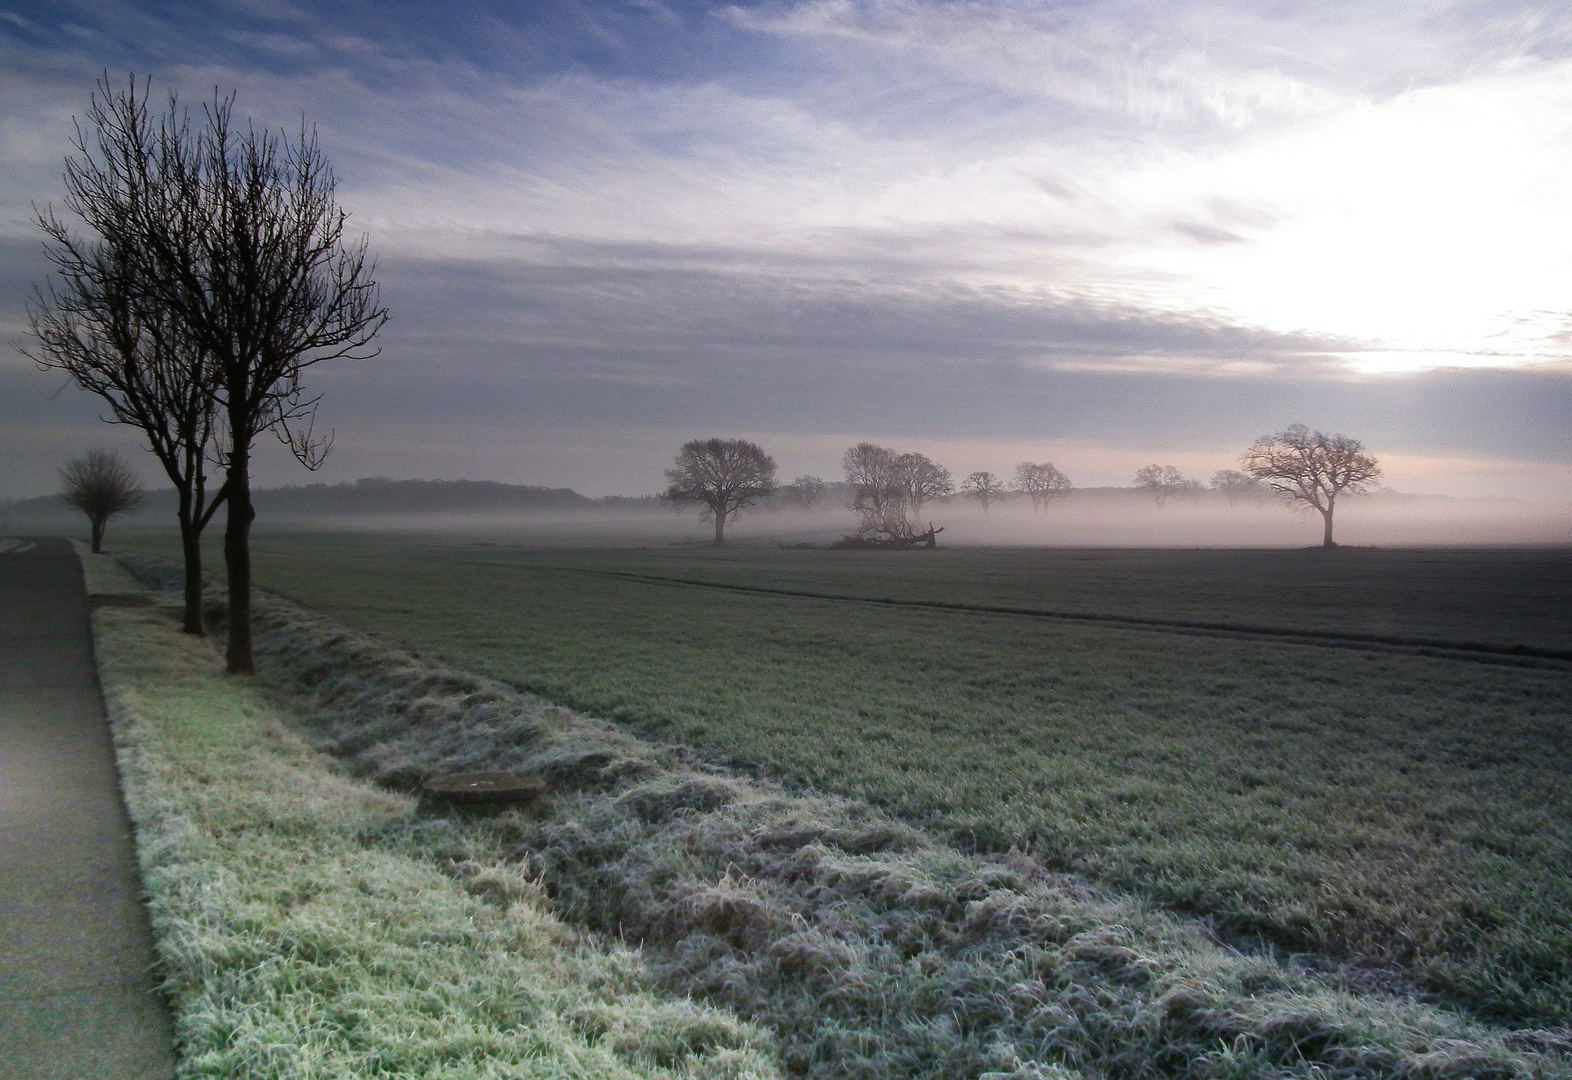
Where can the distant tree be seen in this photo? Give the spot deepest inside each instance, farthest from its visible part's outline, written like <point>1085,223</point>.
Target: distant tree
<point>1164,482</point>
<point>923,481</point>
<point>722,476</point>
<point>879,491</point>
<point>100,320</point>
<point>1237,486</point>
<point>1043,483</point>
<point>986,488</point>
<point>1312,468</point>
<point>806,491</point>
<point>101,485</point>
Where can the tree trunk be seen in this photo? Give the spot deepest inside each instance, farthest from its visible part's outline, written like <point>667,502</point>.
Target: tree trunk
<point>98,533</point>
<point>191,548</point>
<point>237,562</point>
<point>720,529</point>
<point>1326,536</point>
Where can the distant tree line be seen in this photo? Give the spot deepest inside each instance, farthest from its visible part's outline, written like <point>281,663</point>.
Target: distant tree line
<point>889,489</point>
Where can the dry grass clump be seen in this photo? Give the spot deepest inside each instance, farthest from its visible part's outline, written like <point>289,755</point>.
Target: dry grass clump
<point>312,925</point>
<point>871,949</point>
<point>925,962</point>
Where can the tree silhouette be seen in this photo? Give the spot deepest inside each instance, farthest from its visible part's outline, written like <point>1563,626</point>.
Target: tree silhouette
<point>922,480</point>
<point>1163,482</point>
<point>1043,483</point>
<point>239,241</point>
<point>986,488</point>
<point>721,475</point>
<point>1312,468</point>
<point>101,485</point>
<point>806,491</point>
<point>100,319</point>
<point>1235,485</point>
<point>879,494</point>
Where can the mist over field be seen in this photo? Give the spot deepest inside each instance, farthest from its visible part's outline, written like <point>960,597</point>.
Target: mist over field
<point>1127,519</point>
<point>1098,518</point>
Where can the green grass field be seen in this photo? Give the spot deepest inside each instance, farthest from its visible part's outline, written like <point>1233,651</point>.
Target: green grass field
<point>1403,811</point>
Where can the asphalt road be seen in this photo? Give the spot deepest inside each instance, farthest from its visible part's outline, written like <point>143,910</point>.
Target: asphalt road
<point>77,997</point>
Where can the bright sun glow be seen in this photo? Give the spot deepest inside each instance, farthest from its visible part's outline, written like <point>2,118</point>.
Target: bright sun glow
<point>1436,223</point>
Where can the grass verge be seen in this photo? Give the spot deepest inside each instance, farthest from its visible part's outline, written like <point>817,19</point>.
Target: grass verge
<point>313,925</point>
<point>868,948</point>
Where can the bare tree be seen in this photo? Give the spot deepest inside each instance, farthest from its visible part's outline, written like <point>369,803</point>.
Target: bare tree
<point>1164,482</point>
<point>1312,468</point>
<point>1237,486</point>
<point>1043,483</point>
<point>246,250</point>
<point>806,491</point>
<point>721,475</point>
<point>100,321</point>
<point>986,488</point>
<point>923,481</point>
<point>101,485</point>
<point>879,494</point>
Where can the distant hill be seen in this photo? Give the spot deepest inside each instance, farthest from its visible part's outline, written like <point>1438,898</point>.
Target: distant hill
<point>378,496</point>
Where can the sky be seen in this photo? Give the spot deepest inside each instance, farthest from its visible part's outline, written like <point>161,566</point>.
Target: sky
<point>1096,232</point>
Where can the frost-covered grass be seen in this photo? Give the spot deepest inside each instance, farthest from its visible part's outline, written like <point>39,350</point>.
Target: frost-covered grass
<point>869,948</point>
<point>313,925</point>
<point>1409,816</point>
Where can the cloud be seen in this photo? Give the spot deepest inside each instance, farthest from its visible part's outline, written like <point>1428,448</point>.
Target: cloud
<point>1187,222</point>
<point>1111,60</point>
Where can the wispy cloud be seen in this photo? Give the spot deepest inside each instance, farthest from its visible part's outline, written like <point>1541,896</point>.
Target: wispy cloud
<point>603,200</point>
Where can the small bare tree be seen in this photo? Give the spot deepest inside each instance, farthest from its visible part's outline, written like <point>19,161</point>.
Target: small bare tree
<point>879,494</point>
<point>101,485</point>
<point>1237,486</point>
<point>1312,468</point>
<point>923,481</point>
<point>807,491</point>
<point>1164,482</point>
<point>1042,483</point>
<point>722,476</point>
<point>986,488</point>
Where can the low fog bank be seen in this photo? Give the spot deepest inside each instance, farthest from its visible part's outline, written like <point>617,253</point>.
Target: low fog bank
<point>1105,517</point>
<point>1123,518</point>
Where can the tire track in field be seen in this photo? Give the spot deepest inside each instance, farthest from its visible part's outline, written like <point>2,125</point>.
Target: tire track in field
<point>1476,652</point>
